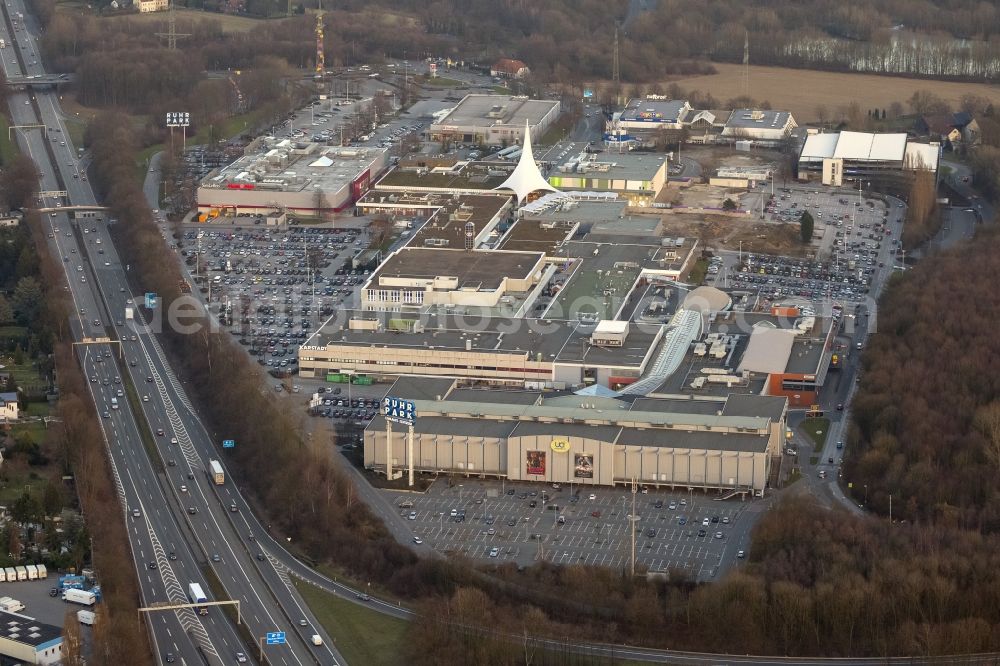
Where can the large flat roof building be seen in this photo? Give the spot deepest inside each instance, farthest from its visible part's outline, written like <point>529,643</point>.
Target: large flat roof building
<point>525,436</point>
<point>474,344</point>
<point>653,112</point>
<point>495,120</point>
<point>759,126</point>
<point>637,178</point>
<point>294,176</point>
<point>643,120</point>
<point>414,277</point>
<point>836,157</point>
<point>25,640</point>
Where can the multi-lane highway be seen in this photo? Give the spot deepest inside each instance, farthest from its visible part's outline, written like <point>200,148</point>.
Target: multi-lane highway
<point>183,528</point>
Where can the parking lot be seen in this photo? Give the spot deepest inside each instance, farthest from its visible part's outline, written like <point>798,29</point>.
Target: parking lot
<point>857,242</point>
<point>333,124</point>
<point>38,603</point>
<point>685,532</point>
<point>273,286</point>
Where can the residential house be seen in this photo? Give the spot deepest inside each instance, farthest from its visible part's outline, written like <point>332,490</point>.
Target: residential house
<point>940,126</point>
<point>146,6</point>
<point>507,68</point>
<point>967,125</point>
<point>955,128</point>
<point>8,407</point>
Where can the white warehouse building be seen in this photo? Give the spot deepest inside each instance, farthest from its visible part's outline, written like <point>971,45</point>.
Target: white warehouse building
<point>835,157</point>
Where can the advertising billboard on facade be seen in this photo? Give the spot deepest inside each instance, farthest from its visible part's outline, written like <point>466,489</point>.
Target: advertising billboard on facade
<point>535,462</point>
<point>583,465</point>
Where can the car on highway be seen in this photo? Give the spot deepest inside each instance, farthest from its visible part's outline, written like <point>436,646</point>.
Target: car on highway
<point>159,432</point>
<point>192,510</point>
<point>260,557</point>
<point>241,658</point>
<point>145,398</point>
<point>740,554</point>
<point>169,658</point>
<point>216,558</point>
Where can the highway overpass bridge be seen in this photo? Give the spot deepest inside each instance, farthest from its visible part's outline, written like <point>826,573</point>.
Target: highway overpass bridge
<point>39,80</point>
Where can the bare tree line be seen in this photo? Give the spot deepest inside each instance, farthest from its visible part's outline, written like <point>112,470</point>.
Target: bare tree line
<point>118,635</point>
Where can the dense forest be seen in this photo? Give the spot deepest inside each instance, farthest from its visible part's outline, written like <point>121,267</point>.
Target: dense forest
<point>923,417</point>
<point>122,63</point>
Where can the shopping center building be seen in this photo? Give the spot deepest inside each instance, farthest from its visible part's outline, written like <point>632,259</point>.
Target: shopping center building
<point>728,443</point>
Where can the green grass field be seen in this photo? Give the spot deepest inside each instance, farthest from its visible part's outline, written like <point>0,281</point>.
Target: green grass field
<point>228,22</point>
<point>17,332</point>
<point>793,476</point>
<point>360,634</point>
<point>25,374</point>
<point>442,82</point>
<point>8,149</point>
<point>698,272</point>
<point>816,430</point>
<point>75,128</point>
<point>225,130</point>
<point>38,409</point>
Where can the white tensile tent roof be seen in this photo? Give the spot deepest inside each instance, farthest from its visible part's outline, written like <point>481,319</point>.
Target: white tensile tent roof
<point>526,178</point>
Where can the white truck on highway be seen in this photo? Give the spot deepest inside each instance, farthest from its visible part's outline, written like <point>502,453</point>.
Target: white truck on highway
<point>218,476</point>
<point>83,597</point>
<point>3,43</point>
<point>197,596</point>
